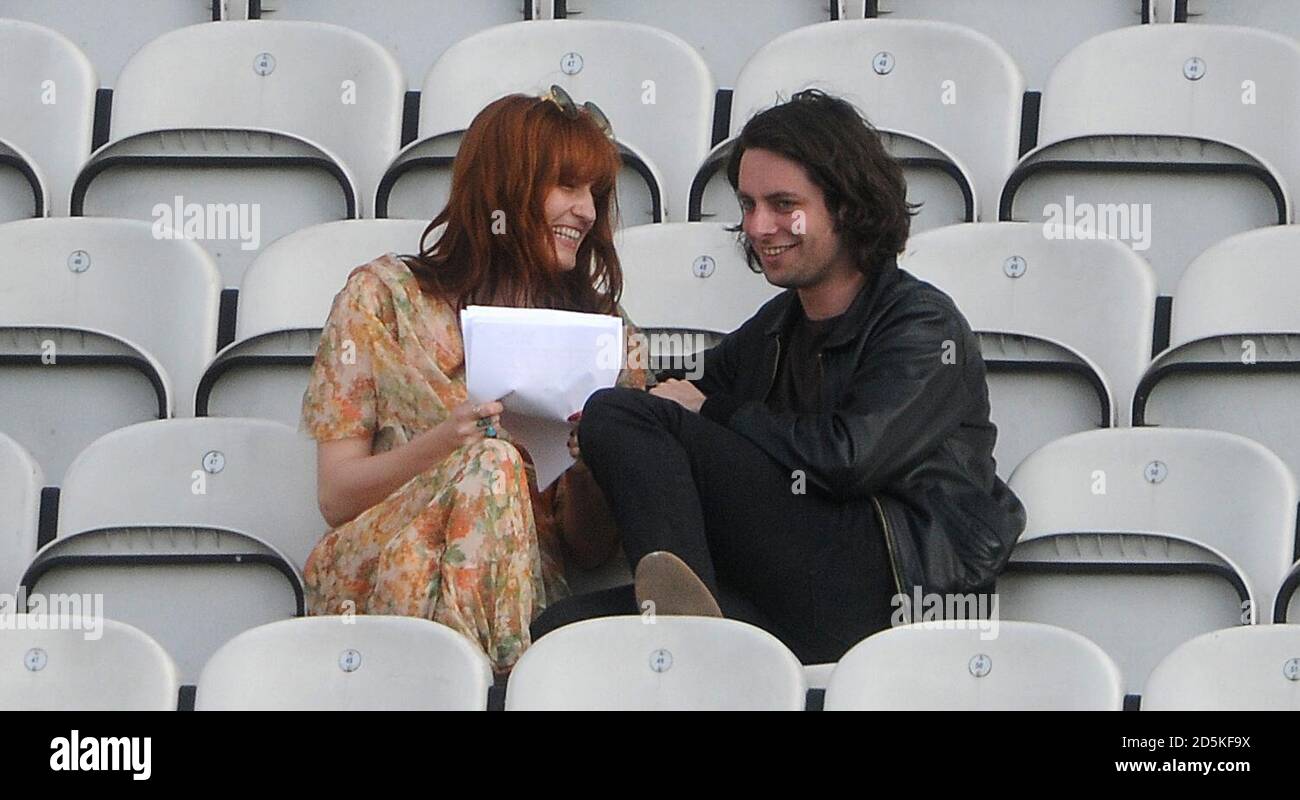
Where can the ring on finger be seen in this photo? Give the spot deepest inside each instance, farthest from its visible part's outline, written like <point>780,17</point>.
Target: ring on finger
<point>491,431</point>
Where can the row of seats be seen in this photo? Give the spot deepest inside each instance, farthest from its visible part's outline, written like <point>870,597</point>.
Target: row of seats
<point>252,114</point>
<point>623,663</point>
<point>724,32</point>
<point>195,530</point>
<point>102,308</point>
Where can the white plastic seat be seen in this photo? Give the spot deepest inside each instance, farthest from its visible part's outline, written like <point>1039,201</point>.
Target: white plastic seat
<point>1036,35</point>
<point>63,669</point>
<point>1141,538</point>
<point>24,192</point>
<point>946,98</point>
<point>1025,666</point>
<point>261,127</point>
<point>1238,669</point>
<point>194,530</point>
<point>416,32</point>
<point>21,480</point>
<point>687,279</point>
<point>724,32</point>
<point>1170,137</point>
<point>1065,326</point>
<point>109,33</point>
<point>1233,362</point>
<point>677,663</point>
<point>284,300</point>
<point>346,664</point>
<point>101,326</point>
<point>47,104</point>
<point>1270,15</point>
<point>655,89</point>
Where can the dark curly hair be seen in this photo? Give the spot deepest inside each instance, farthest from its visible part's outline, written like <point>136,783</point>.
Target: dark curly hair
<point>842,153</point>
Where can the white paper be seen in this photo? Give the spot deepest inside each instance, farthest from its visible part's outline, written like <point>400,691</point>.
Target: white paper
<point>542,365</point>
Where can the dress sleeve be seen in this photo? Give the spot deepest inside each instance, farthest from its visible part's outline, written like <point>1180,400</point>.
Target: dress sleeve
<point>340,400</point>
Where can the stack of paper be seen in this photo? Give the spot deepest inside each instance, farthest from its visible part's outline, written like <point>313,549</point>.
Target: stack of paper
<point>542,365</point>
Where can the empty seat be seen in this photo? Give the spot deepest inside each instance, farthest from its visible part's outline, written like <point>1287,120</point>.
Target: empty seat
<point>194,530</point>
<point>946,99</point>
<point>686,283</point>
<point>1233,363</point>
<point>346,664</point>
<point>678,663</point>
<point>1065,326</point>
<point>1169,137</point>
<point>655,89</point>
<point>1238,669</point>
<point>1271,15</point>
<point>260,129</point>
<point>21,480</point>
<point>414,31</point>
<point>24,192</point>
<point>1036,35</point>
<point>1142,538</point>
<point>102,325</point>
<point>108,33</point>
<point>284,299</point>
<point>47,110</point>
<point>1022,666</point>
<point>724,32</point>
<point>57,664</point>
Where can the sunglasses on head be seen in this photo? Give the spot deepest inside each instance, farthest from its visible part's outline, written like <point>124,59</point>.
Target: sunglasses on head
<point>565,103</point>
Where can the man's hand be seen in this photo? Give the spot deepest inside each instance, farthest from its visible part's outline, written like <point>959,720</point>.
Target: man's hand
<point>682,392</point>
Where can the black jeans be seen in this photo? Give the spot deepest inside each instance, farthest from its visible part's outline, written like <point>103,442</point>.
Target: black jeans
<point>811,570</point>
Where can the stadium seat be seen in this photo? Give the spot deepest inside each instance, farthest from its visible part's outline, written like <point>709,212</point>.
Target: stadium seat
<point>687,278</point>
<point>351,663</point>
<point>108,33</point>
<point>655,89</point>
<point>1238,669</point>
<point>64,669</point>
<point>724,32</point>
<point>1023,666</point>
<point>21,480</point>
<point>1169,137</point>
<point>24,192</point>
<point>284,301</point>
<point>1036,35</point>
<point>219,514</point>
<point>260,129</point>
<point>47,111</point>
<point>670,663</point>
<point>416,32</point>
<point>946,99</point>
<point>101,326</point>
<point>1233,363</point>
<point>1065,326</point>
<point>1142,538</point>
<point>1271,15</point>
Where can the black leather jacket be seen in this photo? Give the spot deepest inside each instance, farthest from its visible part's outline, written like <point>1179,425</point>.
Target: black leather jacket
<point>905,421</point>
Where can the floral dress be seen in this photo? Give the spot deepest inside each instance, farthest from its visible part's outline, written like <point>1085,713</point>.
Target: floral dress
<point>470,542</point>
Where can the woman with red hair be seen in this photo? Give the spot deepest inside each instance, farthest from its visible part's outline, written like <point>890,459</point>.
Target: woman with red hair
<point>435,512</point>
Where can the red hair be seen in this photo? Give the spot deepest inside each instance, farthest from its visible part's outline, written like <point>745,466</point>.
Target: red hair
<point>515,151</point>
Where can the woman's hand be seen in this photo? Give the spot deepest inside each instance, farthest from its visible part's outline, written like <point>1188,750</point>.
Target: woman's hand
<point>574,450</point>
<point>469,423</point>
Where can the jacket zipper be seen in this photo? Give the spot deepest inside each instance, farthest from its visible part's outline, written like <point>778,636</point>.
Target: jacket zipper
<point>889,545</point>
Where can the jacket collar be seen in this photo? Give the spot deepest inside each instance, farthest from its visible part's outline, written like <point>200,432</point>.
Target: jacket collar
<point>854,317</point>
